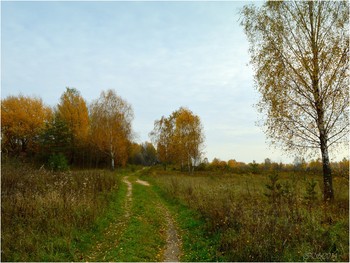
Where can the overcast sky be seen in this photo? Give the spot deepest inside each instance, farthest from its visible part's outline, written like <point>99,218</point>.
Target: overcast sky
<point>158,56</point>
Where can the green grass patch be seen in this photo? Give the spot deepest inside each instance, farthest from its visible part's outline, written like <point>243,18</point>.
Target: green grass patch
<point>144,237</point>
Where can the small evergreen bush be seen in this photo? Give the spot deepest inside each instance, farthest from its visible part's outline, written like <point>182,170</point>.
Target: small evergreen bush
<point>58,163</point>
<point>275,190</point>
<point>311,194</point>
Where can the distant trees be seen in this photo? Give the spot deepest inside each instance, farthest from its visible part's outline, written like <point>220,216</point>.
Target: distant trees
<point>111,118</point>
<point>179,138</point>
<point>103,136</point>
<point>299,163</point>
<point>22,120</point>
<point>315,166</point>
<point>69,130</point>
<point>267,164</point>
<point>300,53</point>
<point>298,167</point>
<point>149,154</point>
<point>342,168</point>
<point>143,154</point>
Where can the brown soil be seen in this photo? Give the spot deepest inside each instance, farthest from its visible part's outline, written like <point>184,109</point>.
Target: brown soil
<point>142,182</point>
<point>128,199</point>
<point>172,251</point>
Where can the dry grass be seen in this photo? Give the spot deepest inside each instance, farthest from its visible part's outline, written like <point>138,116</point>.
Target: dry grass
<point>256,227</point>
<point>42,212</point>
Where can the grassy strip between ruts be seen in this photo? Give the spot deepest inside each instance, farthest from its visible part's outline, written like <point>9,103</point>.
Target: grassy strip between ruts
<point>196,244</point>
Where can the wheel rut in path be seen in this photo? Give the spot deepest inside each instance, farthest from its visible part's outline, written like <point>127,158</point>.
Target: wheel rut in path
<point>113,231</point>
<point>128,199</point>
<point>173,243</point>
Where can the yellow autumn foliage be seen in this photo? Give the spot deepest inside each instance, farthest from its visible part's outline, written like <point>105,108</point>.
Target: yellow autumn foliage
<point>22,120</point>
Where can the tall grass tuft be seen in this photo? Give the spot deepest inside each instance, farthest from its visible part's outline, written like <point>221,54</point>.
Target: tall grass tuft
<point>42,212</point>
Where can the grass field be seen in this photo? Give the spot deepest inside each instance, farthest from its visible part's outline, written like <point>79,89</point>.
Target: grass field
<point>43,214</point>
<point>88,216</point>
<point>251,218</point>
<point>78,216</point>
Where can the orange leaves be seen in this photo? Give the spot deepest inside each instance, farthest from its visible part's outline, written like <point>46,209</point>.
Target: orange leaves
<point>22,118</point>
<point>188,134</point>
<point>73,111</point>
<point>27,125</point>
<point>179,138</point>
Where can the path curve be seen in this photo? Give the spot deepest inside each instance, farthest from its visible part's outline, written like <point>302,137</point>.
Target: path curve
<point>145,183</point>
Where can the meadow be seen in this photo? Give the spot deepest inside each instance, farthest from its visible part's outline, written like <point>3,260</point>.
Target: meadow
<point>44,213</point>
<point>82,215</point>
<point>271,217</point>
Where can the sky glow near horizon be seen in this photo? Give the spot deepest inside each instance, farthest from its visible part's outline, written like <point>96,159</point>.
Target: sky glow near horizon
<point>158,56</point>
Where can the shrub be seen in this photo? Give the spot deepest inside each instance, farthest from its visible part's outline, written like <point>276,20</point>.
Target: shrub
<point>275,190</point>
<point>311,195</point>
<point>58,163</point>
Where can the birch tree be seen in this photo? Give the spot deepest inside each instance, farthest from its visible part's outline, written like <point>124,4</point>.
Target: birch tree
<point>300,54</point>
<point>162,137</point>
<point>189,136</point>
<point>179,138</point>
<point>111,130</point>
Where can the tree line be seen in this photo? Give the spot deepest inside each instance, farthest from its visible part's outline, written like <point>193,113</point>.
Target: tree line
<point>100,134</point>
<point>92,135</point>
<point>299,166</point>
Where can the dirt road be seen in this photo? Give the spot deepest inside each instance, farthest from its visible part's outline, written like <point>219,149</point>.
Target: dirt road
<point>129,237</point>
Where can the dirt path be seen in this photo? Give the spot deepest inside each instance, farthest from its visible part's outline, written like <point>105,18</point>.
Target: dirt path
<point>142,182</point>
<point>118,236</point>
<point>173,242</point>
<point>128,200</point>
<point>173,248</point>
